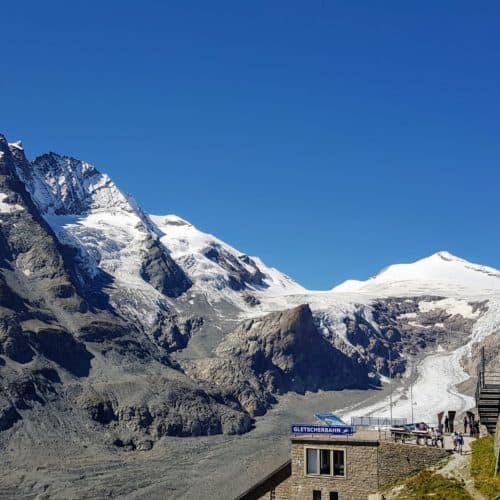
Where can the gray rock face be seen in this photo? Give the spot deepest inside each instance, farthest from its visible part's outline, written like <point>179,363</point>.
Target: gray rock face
<point>239,276</point>
<point>29,246</point>
<point>160,270</point>
<point>179,408</point>
<point>275,354</point>
<point>173,333</point>
<point>8,414</point>
<point>396,325</point>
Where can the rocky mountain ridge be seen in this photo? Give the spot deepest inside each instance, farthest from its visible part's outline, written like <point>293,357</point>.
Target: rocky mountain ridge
<point>145,326</point>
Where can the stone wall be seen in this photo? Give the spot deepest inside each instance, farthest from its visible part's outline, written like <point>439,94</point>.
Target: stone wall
<point>397,461</point>
<point>369,466</point>
<point>280,492</point>
<point>360,467</point>
<point>275,486</point>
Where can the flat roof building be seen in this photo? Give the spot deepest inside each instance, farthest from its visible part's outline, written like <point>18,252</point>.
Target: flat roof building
<point>342,467</point>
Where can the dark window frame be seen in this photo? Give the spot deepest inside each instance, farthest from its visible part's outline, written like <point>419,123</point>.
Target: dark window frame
<point>334,465</point>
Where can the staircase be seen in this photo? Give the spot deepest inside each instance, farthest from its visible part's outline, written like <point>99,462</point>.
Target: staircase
<point>488,395</point>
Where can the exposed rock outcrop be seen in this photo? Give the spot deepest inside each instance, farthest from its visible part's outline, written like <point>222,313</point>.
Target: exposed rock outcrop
<point>275,354</point>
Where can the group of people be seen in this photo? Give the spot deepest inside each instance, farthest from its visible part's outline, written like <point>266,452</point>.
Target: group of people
<point>469,423</point>
<point>437,437</point>
<point>472,425</point>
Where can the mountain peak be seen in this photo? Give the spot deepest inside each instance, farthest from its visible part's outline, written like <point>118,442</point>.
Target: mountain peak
<point>62,185</point>
<point>441,269</point>
<point>16,145</point>
<point>447,256</point>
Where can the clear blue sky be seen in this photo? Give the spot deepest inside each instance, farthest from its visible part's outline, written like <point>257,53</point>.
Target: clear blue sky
<point>330,138</point>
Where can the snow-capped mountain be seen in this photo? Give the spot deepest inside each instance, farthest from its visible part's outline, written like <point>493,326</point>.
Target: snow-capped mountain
<point>111,233</point>
<point>212,263</point>
<point>143,317</point>
<point>61,185</point>
<point>440,271</point>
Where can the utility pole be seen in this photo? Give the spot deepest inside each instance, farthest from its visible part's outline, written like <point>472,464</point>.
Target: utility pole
<point>390,376</point>
<point>411,393</point>
<point>411,399</point>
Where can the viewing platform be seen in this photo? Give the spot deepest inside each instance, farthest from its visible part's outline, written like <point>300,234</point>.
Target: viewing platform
<point>488,395</point>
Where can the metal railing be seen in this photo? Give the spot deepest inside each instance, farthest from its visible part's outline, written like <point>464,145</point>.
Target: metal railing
<point>491,378</point>
<point>488,386</point>
<point>486,377</point>
<point>377,421</point>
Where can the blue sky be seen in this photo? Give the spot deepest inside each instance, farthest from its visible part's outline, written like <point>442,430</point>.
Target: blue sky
<point>331,138</point>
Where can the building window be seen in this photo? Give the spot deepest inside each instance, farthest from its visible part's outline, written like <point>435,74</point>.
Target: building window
<point>316,495</point>
<point>312,461</point>
<point>334,495</point>
<point>338,463</point>
<point>325,462</point>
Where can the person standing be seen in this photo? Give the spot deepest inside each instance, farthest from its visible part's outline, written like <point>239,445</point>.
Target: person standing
<point>460,443</point>
<point>476,428</point>
<point>466,422</point>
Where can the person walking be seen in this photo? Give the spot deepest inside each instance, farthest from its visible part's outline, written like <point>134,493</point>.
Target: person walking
<point>466,423</point>
<point>460,443</point>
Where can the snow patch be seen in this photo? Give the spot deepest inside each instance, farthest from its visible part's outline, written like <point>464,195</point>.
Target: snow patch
<point>16,145</point>
<point>451,306</point>
<point>9,208</point>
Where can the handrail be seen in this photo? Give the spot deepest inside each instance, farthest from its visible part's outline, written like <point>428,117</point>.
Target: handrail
<point>485,378</point>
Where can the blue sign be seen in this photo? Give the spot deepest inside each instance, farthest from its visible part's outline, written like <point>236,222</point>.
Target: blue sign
<point>341,430</point>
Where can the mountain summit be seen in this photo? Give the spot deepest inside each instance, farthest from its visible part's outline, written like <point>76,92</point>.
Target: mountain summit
<point>440,270</point>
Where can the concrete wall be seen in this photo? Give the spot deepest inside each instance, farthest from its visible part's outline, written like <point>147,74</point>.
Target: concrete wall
<point>398,461</point>
<point>360,467</point>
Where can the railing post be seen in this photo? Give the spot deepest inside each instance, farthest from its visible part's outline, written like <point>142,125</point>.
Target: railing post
<point>483,365</point>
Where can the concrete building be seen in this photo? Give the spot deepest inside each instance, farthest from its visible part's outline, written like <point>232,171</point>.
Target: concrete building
<point>342,467</point>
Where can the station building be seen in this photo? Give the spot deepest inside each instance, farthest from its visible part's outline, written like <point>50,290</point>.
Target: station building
<point>342,467</point>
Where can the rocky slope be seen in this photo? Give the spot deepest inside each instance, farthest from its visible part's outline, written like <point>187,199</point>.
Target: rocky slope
<point>277,353</point>
<point>142,326</point>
